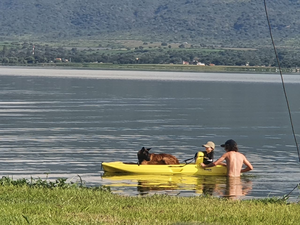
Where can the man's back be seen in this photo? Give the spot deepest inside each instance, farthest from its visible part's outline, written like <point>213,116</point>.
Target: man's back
<point>234,161</point>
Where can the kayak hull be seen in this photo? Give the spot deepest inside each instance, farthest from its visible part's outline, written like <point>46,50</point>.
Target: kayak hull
<point>184,169</point>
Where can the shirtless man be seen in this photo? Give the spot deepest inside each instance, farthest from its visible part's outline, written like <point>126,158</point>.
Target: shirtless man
<point>234,160</point>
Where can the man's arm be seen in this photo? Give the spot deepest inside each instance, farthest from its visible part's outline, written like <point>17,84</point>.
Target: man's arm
<point>218,162</point>
<point>248,166</point>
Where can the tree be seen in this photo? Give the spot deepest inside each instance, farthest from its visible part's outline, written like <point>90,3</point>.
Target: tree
<point>4,51</point>
<point>30,59</point>
<point>13,60</point>
<point>5,60</point>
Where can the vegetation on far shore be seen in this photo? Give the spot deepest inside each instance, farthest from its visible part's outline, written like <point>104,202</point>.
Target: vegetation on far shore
<point>155,56</point>
<point>44,202</point>
<point>233,35</point>
<point>166,67</point>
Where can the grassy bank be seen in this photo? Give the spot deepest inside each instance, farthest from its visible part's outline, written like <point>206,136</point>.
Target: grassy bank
<point>59,203</point>
<point>164,67</point>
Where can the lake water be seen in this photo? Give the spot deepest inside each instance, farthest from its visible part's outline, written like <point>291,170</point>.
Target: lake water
<point>64,123</point>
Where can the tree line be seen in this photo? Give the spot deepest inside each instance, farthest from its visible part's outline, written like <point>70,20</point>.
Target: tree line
<point>26,53</point>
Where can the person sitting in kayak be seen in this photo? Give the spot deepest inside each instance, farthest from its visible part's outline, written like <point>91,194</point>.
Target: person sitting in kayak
<point>208,153</point>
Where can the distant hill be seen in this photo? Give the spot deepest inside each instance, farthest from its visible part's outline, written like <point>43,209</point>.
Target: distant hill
<point>220,22</point>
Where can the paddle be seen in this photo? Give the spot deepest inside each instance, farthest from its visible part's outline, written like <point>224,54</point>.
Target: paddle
<point>188,160</point>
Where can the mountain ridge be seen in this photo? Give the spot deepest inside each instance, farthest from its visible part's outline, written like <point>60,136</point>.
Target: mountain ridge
<point>224,22</point>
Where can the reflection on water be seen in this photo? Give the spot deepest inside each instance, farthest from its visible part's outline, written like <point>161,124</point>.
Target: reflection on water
<point>235,188</point>
<point>232,188</point>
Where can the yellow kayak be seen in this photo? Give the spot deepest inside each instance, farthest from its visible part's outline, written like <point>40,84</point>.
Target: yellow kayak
<point>184,169</point>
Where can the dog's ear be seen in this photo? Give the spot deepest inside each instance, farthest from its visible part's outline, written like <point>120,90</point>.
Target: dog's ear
<point>145,149</point>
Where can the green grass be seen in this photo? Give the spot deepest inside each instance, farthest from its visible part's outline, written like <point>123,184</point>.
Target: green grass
<point>25,202</point>
<point>165,67</point>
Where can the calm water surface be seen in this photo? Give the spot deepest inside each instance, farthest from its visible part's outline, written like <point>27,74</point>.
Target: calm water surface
<point>64,123</point>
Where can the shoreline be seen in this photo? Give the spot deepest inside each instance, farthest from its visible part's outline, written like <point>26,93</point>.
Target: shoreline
<point>145,75</point>
<point>159,67</point>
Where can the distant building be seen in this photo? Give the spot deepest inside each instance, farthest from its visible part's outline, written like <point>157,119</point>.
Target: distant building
<point>185,63</point>
<point>200,64</point>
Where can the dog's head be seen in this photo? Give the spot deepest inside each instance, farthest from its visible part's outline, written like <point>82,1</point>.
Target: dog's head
<point>143,154</point>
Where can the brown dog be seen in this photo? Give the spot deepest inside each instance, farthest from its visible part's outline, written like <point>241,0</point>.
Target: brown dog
<point>146,158</point>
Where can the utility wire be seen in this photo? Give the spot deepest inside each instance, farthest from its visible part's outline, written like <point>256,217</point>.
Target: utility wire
<point>282,81</point>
